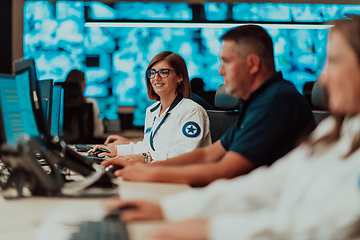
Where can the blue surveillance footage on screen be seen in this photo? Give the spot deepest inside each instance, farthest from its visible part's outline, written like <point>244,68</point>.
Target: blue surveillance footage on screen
<point>114,59</point>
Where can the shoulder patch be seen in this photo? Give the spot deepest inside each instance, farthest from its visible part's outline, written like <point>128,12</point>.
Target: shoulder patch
<point>191,129</point>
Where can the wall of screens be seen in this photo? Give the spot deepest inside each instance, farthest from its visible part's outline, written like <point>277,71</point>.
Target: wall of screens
<point>115,58</point>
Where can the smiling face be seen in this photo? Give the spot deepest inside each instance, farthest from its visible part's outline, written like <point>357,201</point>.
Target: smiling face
<point>165,87</point>
<point>342,75</point>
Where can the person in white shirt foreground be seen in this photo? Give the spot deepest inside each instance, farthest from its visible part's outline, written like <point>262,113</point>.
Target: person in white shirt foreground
<point>174,124</point>
<point>311,193</point>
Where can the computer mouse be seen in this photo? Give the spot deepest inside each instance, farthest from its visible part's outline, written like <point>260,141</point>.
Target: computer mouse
<point>97,152</point>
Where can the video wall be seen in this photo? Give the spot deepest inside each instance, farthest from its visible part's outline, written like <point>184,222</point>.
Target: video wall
<point>58,37</point>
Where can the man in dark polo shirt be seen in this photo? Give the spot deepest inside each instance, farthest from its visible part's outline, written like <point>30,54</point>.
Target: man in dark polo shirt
<point>272,117</point>
<point>271,122</point>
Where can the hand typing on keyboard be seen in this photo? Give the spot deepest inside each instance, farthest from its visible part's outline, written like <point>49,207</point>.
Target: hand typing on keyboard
<point>97,152</point>
<point>114,140</point>
<point>102,151</point>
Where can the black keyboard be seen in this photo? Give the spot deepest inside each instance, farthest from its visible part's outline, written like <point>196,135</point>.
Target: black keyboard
<point>82,147</point>
<point>103,230</point>
<point>97,160</point>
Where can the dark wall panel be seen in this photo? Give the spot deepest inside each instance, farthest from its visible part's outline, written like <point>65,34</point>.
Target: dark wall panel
<point>5,37</point>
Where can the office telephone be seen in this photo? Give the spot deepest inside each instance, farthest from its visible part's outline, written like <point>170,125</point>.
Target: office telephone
<point>27,172</point>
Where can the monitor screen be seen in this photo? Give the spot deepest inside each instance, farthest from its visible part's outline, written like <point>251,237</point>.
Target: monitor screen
<point>26,78</point>
<point>114,54</point>
<point>61,115</point>
<point>46,92</point>
<point>25,102</point>
<point>55,111</point>
<point>11,120</point>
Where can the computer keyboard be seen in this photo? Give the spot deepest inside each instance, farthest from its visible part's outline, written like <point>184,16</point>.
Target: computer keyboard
<point>82,147</point>
<point>104,230</point>
<point>97,160</point>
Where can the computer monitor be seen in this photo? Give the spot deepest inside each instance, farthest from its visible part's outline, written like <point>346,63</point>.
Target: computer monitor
<point>55,111</point>
<point>29,90</point>
<point>25,102</point>
<point>61,115</point>
<point>46,97</point>
<point>11,121</point>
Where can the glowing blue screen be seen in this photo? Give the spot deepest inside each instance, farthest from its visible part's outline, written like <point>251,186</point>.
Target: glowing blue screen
<point>115,58</point>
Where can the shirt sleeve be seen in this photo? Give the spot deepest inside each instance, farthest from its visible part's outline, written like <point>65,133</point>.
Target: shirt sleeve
<point>245,226</point>
<point>192,131</point>
<point>266,133</point>
<point>238,195</point>
<point>131,148</point>
<point>338,218</point>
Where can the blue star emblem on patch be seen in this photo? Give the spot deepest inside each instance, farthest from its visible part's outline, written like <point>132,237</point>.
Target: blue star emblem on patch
<point>191,129</point>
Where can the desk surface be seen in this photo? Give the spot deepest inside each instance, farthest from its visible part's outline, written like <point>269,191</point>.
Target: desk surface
<point>51,218</point>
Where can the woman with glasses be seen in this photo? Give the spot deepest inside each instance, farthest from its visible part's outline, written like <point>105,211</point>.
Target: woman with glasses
<point>174,124</point>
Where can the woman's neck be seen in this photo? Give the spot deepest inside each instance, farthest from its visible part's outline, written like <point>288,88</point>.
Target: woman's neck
<point>166,102</point>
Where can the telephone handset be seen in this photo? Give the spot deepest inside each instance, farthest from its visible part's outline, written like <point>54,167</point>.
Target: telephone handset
<point>68,158</point>
<point>27,172</point>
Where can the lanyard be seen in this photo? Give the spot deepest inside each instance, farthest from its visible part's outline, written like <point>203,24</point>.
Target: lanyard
<point>152,134</point>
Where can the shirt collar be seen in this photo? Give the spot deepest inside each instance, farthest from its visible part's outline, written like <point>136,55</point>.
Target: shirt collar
<point>155,110</point>
<point>275,77</point>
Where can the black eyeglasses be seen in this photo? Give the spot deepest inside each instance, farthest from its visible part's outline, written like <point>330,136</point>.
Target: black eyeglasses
<point>151,73</point>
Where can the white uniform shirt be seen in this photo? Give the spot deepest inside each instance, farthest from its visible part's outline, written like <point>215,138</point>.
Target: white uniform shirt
<point>305,195</point>
<point>186,128</point>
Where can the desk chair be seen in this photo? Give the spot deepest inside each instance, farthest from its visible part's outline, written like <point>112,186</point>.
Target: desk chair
<point>221,120</point>
<point>78,116</point>
<point>199,100</point>
<point>319,99</point>
<point>78,123</point>
<point>307,89</point>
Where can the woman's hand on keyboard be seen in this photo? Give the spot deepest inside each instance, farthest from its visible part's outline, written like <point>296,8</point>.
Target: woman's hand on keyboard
<point>114,140</point>
<point>123,161</point>
<point>193,229</point>
<point>112,153</point>
<point>136,210</point>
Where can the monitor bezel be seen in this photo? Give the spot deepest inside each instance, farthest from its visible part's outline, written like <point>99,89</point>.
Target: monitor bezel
<point>55,89</point>
<point>47,83</point>
<point>21,66</point>
<point>3,138</point>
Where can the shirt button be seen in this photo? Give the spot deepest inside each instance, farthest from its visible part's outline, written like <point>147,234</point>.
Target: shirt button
<point>242,126</point>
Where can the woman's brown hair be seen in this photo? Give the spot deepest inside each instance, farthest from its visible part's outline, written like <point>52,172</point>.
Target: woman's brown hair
<point>350,30</point>
<point>179,65</point>
<point>76,75</point>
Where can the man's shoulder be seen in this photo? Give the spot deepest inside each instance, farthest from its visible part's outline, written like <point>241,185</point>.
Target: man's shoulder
<point>282,91</point>
<point>282,96</point>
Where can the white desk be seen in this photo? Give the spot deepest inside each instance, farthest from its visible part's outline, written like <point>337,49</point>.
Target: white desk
<point>43,218</point>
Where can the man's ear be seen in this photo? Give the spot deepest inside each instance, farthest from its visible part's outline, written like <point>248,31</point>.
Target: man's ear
<point>253,62</point>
